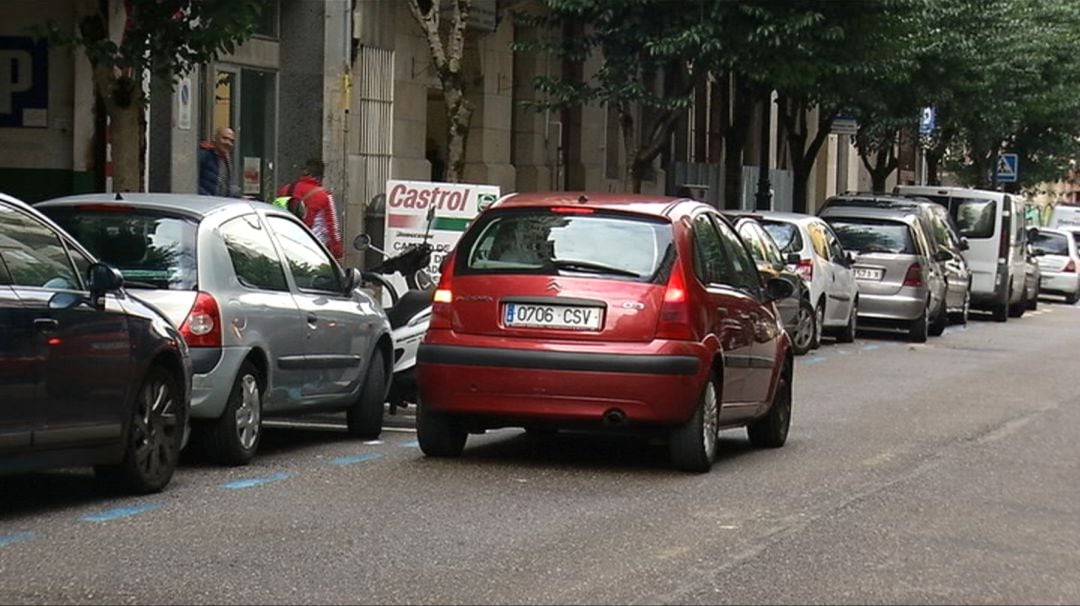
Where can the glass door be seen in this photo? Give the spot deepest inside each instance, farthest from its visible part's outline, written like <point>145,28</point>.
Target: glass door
<point>246,101</point>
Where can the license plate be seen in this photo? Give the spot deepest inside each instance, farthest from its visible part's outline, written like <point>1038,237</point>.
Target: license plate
<point>868,273</point>
<point>564,317</point>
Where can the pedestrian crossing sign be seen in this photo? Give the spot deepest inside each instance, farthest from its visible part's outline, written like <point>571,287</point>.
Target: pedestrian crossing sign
<point>1006,169</point>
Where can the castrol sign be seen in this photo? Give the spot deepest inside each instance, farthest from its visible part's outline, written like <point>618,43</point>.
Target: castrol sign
<point>455,204</point>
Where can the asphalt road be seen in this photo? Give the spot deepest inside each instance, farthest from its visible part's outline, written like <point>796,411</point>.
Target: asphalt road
<point>939,473</point>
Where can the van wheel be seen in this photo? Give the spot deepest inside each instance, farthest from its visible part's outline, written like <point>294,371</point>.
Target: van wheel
<point>439,435</point>
<point>919,327</point>
<point>771,430</point>
<point>233,438</point>
<point>692,446</point>
<point>152,442</point>
<point>365,417</point>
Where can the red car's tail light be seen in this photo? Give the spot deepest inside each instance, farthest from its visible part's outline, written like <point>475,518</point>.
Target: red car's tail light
<point>913,277</point>
<point>674,322</point>
<point>443,299</point>
<point>202,327</point>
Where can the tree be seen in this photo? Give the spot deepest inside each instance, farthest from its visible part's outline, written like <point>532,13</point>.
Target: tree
<point>447,59</point>
<point>654,55</point>
<point>160,39</point>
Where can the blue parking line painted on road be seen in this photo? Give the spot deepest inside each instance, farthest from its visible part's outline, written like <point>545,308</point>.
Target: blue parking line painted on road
<point>252,482</point>
<point>411,444</point>
<point>870,347</point>
<point>815,360</point>
<point>119,512</point>
<point>360,458</point>
<point>16,537</point>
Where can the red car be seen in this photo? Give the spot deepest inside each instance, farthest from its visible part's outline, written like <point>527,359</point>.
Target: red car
<point>581,310</point>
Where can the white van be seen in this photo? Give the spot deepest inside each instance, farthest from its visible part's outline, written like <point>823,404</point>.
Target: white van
<point>993,223</point>
<point>1065,217</point>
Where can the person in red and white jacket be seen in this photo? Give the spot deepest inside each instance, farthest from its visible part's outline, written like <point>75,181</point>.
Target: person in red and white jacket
<point>321,214</point>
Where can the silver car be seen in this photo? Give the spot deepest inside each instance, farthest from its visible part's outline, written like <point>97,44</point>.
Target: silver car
<point>899,273</point>
<point>1059,262</point>
<point>274,324</point>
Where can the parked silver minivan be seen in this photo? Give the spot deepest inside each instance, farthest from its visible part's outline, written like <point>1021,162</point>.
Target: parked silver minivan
<point>275,326</point>
<point>993,224</point>
<point>897,269</point>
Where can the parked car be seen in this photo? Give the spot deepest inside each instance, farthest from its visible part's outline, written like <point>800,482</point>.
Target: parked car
<point>825,267</point>
<point>796,311</point>
<point>1058,258</point>
<point>941,232</point>
<point>993,224</point>
<point>899,273</point>
<point>274,324</point>
<point>632,312</point>
<point>89,375</point>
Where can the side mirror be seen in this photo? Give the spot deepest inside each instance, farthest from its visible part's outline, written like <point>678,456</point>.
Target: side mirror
<point>793,258</point>
<point>964,244</point>
<point>102,278</point>
<point>850,257</point>
<point>778,288</point>
<point>942,256</point>
<point>353,280</point>
<point>1032,233</point>
<point>361,242</point>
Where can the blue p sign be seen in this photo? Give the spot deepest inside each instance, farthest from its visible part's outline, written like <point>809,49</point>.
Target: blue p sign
<point>24,81</point>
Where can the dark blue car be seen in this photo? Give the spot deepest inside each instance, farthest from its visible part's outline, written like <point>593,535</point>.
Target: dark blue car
<point>89,375</point>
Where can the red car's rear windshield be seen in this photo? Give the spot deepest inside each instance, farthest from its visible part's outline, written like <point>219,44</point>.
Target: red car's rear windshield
<point>574,241</point>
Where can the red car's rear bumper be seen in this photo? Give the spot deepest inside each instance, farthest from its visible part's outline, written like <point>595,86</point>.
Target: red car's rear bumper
<point>574,384</point>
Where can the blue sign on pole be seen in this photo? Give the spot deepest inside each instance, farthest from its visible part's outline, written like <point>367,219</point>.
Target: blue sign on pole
<point>1007,168</point>
<point>24,82</point>
<point>926,122</point>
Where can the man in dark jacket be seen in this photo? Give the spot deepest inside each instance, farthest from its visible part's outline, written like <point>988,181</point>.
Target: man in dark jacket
<point>215,164</point>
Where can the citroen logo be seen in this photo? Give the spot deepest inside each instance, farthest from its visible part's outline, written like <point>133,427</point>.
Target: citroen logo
<point>554,286</point>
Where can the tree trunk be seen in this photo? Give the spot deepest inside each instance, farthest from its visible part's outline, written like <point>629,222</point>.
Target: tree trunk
<point>631,182</point>
<point>124,102</point>
<point>447,61</point>
<point>737,131</point>
<point>793,116</point>
<point>885,162</point>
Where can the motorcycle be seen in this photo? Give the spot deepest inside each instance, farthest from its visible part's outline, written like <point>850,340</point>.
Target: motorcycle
<point>409,311</point>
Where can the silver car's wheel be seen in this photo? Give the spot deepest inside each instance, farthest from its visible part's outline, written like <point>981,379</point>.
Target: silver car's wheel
<point>249,413</point>
<point>233,438</point>
<point>802,338</point>
<point>819,326</point>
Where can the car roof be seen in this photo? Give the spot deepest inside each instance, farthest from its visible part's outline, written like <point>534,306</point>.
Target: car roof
<point>647,204</point>
<point>906,215</point>
<point>879,199</point>
<point>190,204</point>
<point>778,215</point>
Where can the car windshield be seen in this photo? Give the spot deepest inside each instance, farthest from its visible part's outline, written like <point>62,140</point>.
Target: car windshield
<point>870,235</point>
<point>540,241</point>
<point>152,250</point>
<point>786,235</point>
<point>1051,243</point>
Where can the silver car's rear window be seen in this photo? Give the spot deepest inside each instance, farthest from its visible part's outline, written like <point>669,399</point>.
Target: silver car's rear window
<point>581,242</point>
<point>870,236</point>
<point>786,235</point>
<point>152,250</point>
